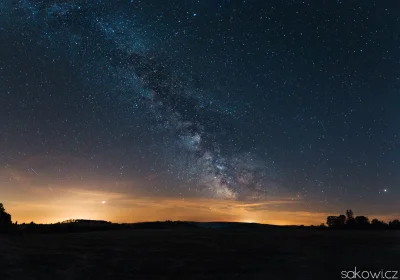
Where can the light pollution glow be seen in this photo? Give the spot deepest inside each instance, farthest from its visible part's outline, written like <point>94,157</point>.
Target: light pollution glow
<point>37,196</point>
<point>59,205</point>
<point>89,205</point>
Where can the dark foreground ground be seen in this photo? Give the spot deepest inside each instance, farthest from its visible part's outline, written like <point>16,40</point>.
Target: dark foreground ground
<point>198,254</point>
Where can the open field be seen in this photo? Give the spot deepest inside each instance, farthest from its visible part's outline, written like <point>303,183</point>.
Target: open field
<point>280,253</point>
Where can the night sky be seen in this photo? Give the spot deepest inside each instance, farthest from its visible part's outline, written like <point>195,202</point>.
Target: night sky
<point>265,111</point>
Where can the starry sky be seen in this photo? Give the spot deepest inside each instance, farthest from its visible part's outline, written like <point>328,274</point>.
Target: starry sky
<point>278,112</point>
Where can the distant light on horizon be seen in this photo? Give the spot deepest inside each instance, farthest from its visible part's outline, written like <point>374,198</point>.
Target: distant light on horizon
<point>249,221</point>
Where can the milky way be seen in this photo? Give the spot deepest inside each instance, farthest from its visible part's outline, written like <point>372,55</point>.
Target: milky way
<point>240,100</point>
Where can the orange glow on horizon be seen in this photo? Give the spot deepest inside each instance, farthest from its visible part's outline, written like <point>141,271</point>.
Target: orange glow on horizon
<point>36,197</point>
<point>121,208</point>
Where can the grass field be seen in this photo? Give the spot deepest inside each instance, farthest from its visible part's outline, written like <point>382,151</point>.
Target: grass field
<point>198,254</point>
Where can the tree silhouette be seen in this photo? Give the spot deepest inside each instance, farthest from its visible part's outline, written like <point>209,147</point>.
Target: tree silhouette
<point>333,221</point>
<point>395,224</point>
<point>336,221</point>
<point>350,222</point>
<point>349,214</point>
<point>5,219</point>
<point>376,224</point>
<point>342,220</point>
<point>362,221</point>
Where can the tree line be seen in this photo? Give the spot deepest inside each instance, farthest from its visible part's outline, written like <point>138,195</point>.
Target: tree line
<point>349,221</point>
